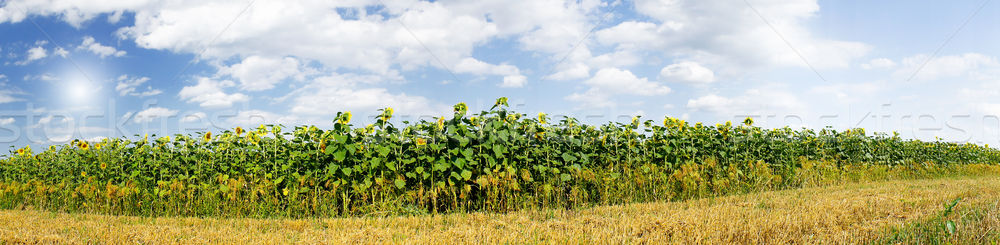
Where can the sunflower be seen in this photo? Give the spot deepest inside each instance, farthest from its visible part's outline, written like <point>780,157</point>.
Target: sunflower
<point>83,145</point>
<point>461,108</point>
<point>84,173</point>
<point>421,141</point>
<point>239,131</point>
<point>387,114</point>
<point>635,120</point>
<point>345,118</point>
<point>252,137</point>
<point>208,136</point>
<point>322,146</point>
<point>370,129</point>
<point>104,165</point>
<point>501,101</point>
<point>541,117</point>
<point>20,151</point>
<point>440,123</point>
<point>748,121</point>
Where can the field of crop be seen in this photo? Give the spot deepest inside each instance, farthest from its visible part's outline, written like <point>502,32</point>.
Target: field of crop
<point>880,212</point>
<point>496,160</point>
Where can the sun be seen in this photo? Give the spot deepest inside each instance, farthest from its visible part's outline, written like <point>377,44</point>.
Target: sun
<point>79,86</point>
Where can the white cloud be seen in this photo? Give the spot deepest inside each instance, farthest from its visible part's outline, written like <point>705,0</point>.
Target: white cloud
<point>618,81</point>
<point>252,118</point>
<point>7,97</point>
<point>514,81</point>
<point>194,117</point>
<point>256,73</point>
<point>751,102</point>
<point>208,93</point>
<point>59,51</point>
<point>6,121</point>
<point>128,86</point>
<point>571,72</point>
<point>608,82</point>
<point>72,12</point>
<point>314,102</point>
<point>687,71</point>
<point>878,63</point>
<point>40,77</point>
<point>93,46</point>
<point>367,41</point>
<point>59,129</point>
<point>151,113</point>
<point>849,92</point>
<point>512,77</point>
<point>34,54</point>
<point>972,65</point>
<point>711,102</point>
<point>730,35</point>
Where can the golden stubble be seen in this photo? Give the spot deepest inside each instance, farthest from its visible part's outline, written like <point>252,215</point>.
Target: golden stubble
<point>852,213</point>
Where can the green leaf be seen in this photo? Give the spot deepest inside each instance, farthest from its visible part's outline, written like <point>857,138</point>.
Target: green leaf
<point>400,183</point>
<point>565,177</point>
<point>466,174</point>
<point>567,157</point>
<point>340,155</point>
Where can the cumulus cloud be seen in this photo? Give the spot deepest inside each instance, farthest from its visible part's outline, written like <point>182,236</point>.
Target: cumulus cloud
<point>129,85</point>
<point>687,71</point>
<point>33,54</point>
<point>208,93</point>
<point>194,117</point>
<point>750,102</point>
<point>59,51</point>
<point>571,72</point>
<point>720,32</point>
<point>96,48</point>
<point>612,81</point>
<point>276,41</point>
<point>349,92</point>
<point>256,73</point>
<point>6,121</point>
<point>511,75</point>
<point>73,12</point>
<point>972,65</point>
<point>151,113</point>
<point>878,63</point>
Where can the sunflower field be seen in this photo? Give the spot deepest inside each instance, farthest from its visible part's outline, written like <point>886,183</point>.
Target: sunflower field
<point>496,160</point>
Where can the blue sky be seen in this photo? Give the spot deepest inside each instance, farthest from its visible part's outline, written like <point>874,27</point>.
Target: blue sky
<point>79,70</point>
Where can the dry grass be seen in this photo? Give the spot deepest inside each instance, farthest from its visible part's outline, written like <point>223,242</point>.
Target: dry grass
<point>853,213</point>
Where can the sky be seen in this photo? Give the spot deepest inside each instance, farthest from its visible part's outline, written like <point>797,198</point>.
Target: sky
<point>128,68</point>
